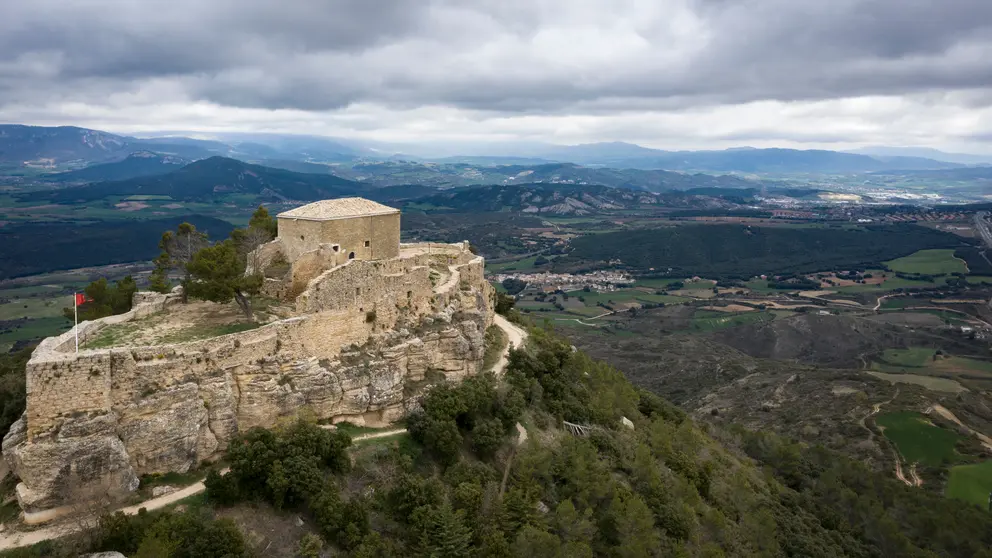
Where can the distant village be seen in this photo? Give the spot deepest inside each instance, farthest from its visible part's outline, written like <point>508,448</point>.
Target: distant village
<point>599,281</point>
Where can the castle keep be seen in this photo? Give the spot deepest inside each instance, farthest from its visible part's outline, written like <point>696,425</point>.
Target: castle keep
<point>369,321</point>
<point>354,227</point>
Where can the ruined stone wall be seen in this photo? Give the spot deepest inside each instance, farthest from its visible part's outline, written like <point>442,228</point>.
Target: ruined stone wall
<point>299,236</point>
<point>365,331</point>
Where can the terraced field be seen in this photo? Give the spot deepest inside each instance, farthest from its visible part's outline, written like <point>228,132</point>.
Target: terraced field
<point>929,262</point>
<point>923,366</point>
<point>918,439</point>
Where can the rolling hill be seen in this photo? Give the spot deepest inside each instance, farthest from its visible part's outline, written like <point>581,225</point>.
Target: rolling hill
<point>572,199</point>
<point>20,144</point>
<point>69,245</point>
<point>136,165</point>
<point>209,178</point>
<point>463,174</point>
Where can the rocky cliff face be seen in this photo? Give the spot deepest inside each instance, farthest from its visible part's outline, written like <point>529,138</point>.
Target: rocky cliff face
<point>175,428</point>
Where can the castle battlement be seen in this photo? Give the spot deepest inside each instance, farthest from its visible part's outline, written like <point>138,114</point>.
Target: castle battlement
<point>364,332</point>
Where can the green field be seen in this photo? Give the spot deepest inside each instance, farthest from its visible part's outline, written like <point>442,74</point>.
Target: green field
<point>974,365</point>
<point>34,307</point>
<point>655,283</point>
<point>971,483</point>
<point>525,264</point>
<point>918,440</point>
<point>929,262</point>
<point>914,356</point>
<point>896,376</point>
<point>33,330</point>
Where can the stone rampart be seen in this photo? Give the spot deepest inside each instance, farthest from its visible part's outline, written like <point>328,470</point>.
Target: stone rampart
<point>364,333</point>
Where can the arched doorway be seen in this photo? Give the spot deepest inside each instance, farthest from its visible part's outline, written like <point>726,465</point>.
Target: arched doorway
<point>351,255</point>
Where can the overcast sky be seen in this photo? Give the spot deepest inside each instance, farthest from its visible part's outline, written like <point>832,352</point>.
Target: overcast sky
<point>664,73</point>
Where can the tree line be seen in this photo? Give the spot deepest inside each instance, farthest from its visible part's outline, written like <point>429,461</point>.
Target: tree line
<point>213,271</point>
<point>742,252</point>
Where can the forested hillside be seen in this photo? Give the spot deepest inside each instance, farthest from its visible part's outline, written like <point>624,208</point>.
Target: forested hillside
<point>577,199</point>
<point>209,178</point>
<point>735,251</point>
<point>41,247</point>
<point>138,164</point>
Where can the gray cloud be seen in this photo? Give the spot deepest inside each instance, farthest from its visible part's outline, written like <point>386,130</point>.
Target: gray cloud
<point>508,58</point>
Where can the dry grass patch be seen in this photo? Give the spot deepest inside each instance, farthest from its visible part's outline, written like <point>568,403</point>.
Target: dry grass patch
<point>730,308</point>
<point>179,324</point>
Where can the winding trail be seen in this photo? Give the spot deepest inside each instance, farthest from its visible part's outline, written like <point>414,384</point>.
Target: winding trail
<point>914,479</point>
<point>516,336</point>
<point>28,538</point>
<point>874,411</point>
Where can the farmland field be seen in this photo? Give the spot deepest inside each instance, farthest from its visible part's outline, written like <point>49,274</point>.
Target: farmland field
<point>971,483</point>
<point>914,357</point>
<point>918,440</point>
<point>929,262</point>
<point>942,373</point>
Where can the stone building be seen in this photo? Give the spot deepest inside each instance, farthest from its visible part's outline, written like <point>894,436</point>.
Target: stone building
<point>360,229</point>
<point>360,338</point>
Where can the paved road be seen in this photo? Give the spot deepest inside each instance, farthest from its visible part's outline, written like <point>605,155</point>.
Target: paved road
<point>983,227</point>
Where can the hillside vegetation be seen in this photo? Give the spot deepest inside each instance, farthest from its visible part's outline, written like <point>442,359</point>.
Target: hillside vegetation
<point>138,164</point>
<point>574,199</point>
<point>732,251</point>
<point>467,485</point>
<point>485,172</point>
<point>71,245</point>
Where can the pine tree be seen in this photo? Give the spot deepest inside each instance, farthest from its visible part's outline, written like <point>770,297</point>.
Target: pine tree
<point>262,220</point>
<point>443,532</point>
<point>217,274</point>
<point>178,250</point>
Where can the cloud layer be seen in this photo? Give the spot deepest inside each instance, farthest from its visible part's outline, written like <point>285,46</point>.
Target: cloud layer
<point>671,73</point>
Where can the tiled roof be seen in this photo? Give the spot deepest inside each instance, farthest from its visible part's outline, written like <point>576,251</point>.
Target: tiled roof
<point>341,208</point>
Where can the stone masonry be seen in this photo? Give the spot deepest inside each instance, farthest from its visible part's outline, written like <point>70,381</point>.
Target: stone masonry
<point>365,335</point>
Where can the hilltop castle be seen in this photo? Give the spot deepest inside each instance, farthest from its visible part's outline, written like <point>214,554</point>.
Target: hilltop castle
<point>371,321</point>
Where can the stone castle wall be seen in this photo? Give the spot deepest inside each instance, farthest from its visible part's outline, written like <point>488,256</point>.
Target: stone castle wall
<point>364,332</point>
<point>381,232</point>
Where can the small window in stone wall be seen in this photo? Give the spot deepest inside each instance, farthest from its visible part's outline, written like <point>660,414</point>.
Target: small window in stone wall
<point>351,255</point>
<point>301,237</point>
<point>335,247</point>
<point>367,243</point>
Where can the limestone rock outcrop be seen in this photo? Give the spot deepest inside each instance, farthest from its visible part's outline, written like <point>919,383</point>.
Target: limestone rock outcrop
<point>99,419</point>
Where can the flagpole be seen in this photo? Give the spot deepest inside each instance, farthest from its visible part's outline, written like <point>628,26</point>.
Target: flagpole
<point>75,317</point>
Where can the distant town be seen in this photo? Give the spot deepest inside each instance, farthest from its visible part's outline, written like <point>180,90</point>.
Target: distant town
<point>599,281</point>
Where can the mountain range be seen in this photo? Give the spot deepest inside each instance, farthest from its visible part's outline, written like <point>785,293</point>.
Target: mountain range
<point>66,146</point>
<point>881,152</point>
<point>206,179</point>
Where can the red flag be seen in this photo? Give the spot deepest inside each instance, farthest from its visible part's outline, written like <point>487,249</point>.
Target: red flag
<point>82,299</point>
